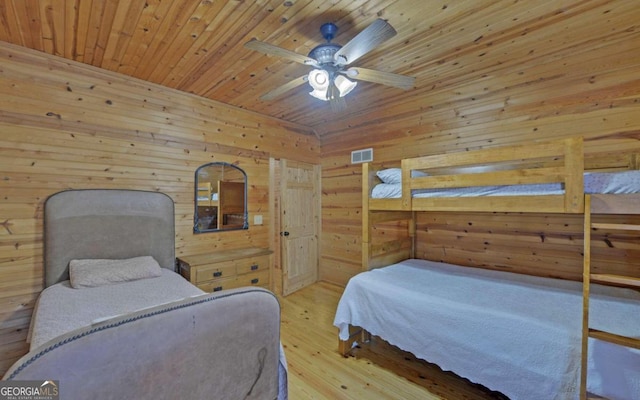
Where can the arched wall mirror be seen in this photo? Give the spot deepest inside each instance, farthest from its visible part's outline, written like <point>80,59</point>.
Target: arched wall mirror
<point>220,198</point>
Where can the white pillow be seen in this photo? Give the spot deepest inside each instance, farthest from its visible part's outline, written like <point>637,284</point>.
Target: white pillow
<point>387,191</point>
<point>99,272</point>
<point>394,175</point>
<point>390,175</point>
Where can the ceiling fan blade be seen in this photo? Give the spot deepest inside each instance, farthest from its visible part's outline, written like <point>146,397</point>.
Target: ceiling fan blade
<point>371,37</point>
<point>385,78</point>
<point>272,50</point>
<point>284,88</point>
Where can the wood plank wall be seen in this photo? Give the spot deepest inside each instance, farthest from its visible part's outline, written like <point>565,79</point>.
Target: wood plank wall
<point>65,125</point>
<point>576,74</point>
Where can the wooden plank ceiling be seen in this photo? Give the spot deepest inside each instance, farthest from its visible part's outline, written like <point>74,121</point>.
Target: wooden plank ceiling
<point>450,46</point>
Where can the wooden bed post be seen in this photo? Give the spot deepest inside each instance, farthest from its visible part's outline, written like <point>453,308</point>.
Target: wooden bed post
<point>574,175</point>
<point>356,334</point>
<point>586,278</point>
<point>412,234</point>
<point>406,186</point>
<point>366,224</point>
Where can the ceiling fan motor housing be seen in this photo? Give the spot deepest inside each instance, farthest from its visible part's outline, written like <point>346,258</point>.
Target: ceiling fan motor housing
<point>324,53</point>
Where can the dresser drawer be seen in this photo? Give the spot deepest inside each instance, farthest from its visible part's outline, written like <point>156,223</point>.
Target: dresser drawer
<point>227,269</point>
<point>253,264</point>
<point>260,278</point>
<point>214,271</point>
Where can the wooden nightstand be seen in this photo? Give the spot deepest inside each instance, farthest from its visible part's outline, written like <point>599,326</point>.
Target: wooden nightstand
<point>228,269</point>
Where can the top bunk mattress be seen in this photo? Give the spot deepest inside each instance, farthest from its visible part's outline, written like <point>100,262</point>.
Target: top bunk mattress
<point>62,308</point>
<point>594,183</point>
<point>513,333</point>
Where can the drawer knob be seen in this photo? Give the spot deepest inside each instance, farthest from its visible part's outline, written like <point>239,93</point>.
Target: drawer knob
<point>217,274</point>
<point>254,281</point>
<point>217,288</point>
<point>254,267</point>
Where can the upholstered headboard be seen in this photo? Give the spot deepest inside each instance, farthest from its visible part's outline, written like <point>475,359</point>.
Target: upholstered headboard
<point>106,224</point>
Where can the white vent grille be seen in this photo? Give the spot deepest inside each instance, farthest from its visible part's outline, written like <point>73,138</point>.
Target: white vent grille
<point>361,156</point>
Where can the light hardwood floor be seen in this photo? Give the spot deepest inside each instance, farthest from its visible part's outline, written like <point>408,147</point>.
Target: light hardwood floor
<point>318,371</point>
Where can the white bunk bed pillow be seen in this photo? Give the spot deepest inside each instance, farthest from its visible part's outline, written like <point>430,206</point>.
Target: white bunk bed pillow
<point>390,175</point>
<point>89,273</point>
<point>387,191</point>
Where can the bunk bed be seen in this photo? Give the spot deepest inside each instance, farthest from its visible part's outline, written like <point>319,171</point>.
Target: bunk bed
<point>483,332</point>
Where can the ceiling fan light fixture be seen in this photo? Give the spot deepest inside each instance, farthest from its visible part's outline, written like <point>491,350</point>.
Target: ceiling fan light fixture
<point>345,86</point>
<point>319,79</point>
<point>319,94</point>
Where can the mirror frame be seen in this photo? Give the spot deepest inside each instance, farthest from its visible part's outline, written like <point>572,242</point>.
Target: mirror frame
<point>245,223</point>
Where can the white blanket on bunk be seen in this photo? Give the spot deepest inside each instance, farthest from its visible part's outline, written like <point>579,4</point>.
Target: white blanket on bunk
<point>517,334</point>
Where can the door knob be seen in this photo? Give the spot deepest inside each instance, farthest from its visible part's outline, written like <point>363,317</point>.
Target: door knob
<point>285,233</point>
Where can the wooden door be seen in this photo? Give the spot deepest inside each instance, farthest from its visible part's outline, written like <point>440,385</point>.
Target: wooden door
<point>299,224</point>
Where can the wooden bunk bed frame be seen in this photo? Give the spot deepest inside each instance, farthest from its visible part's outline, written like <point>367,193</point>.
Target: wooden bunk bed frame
<point>557,161</point>
<point>601,205</point>
<point>561,161</point>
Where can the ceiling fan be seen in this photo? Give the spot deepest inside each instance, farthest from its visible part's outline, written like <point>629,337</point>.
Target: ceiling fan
<point>331,62</point>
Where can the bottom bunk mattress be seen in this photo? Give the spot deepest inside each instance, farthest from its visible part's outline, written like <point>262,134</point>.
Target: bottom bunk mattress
<point>517,334</point>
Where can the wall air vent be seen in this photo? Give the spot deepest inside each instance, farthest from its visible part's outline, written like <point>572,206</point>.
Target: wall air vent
<point>361,156</point>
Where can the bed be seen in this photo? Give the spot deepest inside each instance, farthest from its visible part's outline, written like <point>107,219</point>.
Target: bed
<point>116,321</point>
<point>517,334</point>
<point>491,180</point>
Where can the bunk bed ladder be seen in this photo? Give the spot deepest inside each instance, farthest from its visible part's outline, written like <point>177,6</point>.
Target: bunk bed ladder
<point>603,204</point>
